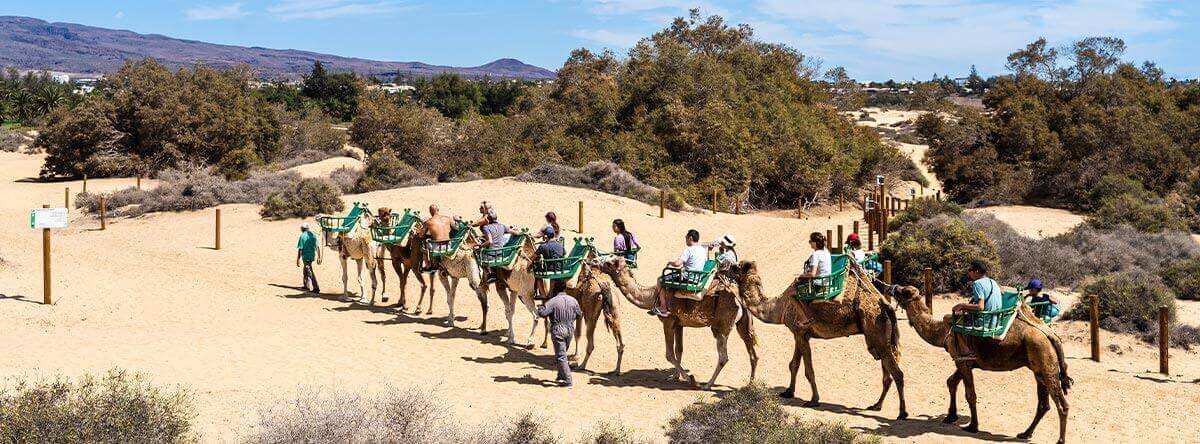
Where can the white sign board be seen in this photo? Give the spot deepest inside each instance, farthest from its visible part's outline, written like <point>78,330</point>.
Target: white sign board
<point>48,218</point>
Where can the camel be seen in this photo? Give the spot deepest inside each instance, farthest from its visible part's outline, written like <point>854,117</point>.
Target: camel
<point>719,309</point>
<point>358,245</point>
<point>516,283</point>
<point>1028,343</point>
<point>594,293</point>
<point>405,258</point>
<point>859,310</point>
<point>462,265</point>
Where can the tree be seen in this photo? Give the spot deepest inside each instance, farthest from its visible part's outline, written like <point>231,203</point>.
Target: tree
<point>1037,59</point>
<point>336,94</point>
<point>975,83</point>
<point>449,93</point>
<point>847,93</point>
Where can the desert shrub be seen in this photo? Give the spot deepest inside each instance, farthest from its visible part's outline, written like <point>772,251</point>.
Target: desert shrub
<point>753,414</point>
<point>1126,249</point>
<point>1129,301</point>
<point>1183,277</point>
<point>608,433</point>
<point>923,209</point>
<point>606,177</point>
<point>190,188</point>
<point>528,429</point>
<point>310,197</point>
<point>385,171</point>
<point>117,407</point>
<point>1023,258</point>
<point>943,243</point>
<point>1149,215</point>
<point>13,141</point>
<point>346,179</point>
<point>331,417</point>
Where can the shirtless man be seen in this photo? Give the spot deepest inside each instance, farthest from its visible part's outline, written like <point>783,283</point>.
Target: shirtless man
<point>437,230</point>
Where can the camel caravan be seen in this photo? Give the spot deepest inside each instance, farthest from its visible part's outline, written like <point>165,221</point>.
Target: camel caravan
<point>836,295</point>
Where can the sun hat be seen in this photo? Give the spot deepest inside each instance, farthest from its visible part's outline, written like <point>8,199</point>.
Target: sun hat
<point>1035,284</point>
<point>728,241</point>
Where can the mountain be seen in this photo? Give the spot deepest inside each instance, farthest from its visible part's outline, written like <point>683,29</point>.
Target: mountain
<point>29,43</point>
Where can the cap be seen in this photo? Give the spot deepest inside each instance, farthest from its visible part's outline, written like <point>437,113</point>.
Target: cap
<point>1035,284</point>
<point>548,231</point>
<point>304,226</point>
<point>728,241</point>
<point>491,213</point>
<point>852,236</point>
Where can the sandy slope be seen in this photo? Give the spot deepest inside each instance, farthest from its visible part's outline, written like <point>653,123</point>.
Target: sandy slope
<point>324,167</point>
<point>150,295</point>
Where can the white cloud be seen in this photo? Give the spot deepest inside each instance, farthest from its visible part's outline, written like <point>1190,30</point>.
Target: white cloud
<point>119,14</point>
<point>218,12</point>
<point>609,38</point>
<point>323,9</point>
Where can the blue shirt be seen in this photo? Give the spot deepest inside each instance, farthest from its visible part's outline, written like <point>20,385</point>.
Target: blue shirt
<point>307,246</point>
<point>987,290</point>
<point>551,249</point>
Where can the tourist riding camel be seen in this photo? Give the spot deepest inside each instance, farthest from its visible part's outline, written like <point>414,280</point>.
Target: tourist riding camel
<point>985,296</point>
<point>454,263</point>
<point>1028,342</point>
<point>692,259</point>
<point>820,263</point>
<point>859,309</point>
<point>625,243</point>
<point>550,248</point>
<point>406,258</point>
<point>436,229</point>
<point>726,255</point>
<point>719,309</point>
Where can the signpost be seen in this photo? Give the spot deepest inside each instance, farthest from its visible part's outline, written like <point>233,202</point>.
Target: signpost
<point>47,218</point>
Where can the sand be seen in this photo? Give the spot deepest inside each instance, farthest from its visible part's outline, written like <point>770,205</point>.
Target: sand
<point>324,167</point>
<point>150,295</point>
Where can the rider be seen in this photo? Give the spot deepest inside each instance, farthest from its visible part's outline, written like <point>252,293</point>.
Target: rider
<point>550,248</point>
<point>856,248</point>
<point>484,208</point>
<point>437,231</point>
<point>726,256</point>
<point>985,296</point>
<point>692,259</point>
<point>625,242</point>
<point>819,263</point>
<point>1035,294</point>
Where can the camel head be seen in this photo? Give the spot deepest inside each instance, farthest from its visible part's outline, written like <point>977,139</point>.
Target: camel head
<point>905,295</point>
<point>610,264</point>
<point>384,217</point>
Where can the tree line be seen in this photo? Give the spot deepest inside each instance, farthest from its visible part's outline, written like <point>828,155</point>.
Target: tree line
<point>25,99</point>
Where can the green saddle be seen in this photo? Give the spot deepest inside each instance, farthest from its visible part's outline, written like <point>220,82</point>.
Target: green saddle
<point>1042,310</point>
<point>331,224</point>
<point>398,232</point>
<point>458,232</point>
<point>824,287</point>
<point>988,324</point>
<point>564,267</point>
<point>504,255</point>
<point>630,256</point>
<point>688,280</point>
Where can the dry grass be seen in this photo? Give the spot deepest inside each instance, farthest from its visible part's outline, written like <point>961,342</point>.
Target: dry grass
<point>600,176</point>
<point>408,416</point>
<point>190,189</point>
<point>310,197</point>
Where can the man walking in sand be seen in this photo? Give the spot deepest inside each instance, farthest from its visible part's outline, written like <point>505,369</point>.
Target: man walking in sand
<point>307,251</point>
<point>561,310</point>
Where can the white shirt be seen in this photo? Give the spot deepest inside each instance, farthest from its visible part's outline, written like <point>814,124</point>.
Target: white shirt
<point>859,255</point>
<point>694,257</point>
<point>819,264</point>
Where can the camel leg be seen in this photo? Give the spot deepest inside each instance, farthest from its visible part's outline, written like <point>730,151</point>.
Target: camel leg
<point>345,277</point>
<point>722,338</point>
<point>810,375</point>
<point>591,339</point>
<point>424,288</point>
<point>887,385</point>
<point>952,384</point>
<point>382,268</point>
<point>746,330</point>
<point>794,367</point>
<point>529,305</point>
<point>402,271</point>
<point>669,337</point>
<point>892,365</point>
<point>679,355</point>
<point>1060,402</point>
<point>481,294</point>
<point>510,307</point>
<point>1043,406</point>
<point>969,385</point>
<point>397,267</point>
<point>450,290</point>
<point>362,290</point>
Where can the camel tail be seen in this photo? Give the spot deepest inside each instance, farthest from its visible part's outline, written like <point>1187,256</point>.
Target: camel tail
<point>606,307</point>
<point>1063,379</point>
<point>894,325</point>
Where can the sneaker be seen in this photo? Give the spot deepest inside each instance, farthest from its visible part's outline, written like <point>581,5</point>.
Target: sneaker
<point>565,384</point>
<point>659,312</point>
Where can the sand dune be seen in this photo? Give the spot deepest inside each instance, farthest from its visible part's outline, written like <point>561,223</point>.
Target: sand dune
<point>324,167</point>
<point>149,294</point>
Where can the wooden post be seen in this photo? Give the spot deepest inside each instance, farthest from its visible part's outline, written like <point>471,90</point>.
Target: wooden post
<point>870,239</point>
<point>85,184</point>
<point>855,227</point>
<point>67,198</point>
<point>841,203</point>
<point>799,208</point>
<point>217,243</point>
<point>883,227</point>
<point>662,203</point>
<point>1164,341</point>
<point>46,264</point>
<point>737,205</point>
<point>714,206</point>
<point>929,289</point>
<point>1095,326</point>
<point>139,181</point>
<point>841,239</point>
<point>887,272</point>
<point>829,239</point>
<point>939,195</point>
<point>103,222</point>
<point>581,217</point>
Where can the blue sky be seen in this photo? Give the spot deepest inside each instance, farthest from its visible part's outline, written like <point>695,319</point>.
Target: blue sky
<point>874,40</point>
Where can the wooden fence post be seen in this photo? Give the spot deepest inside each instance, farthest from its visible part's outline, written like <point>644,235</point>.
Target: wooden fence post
<point>581,217</point>
<point>799,208</point>
<point>939,195</point>
<point>883,227</point>
<point>67,198</point>
<point>870,239</point>
<point>855,227</point>
<point>737,205</point>
<point>46,264</point>
<point>85,184</point>
<point>139,181</point>
<point>217,242</point>
<point>103,216</point>
<point>1164,341</point>
<point>887,272</point>
<point>714,206</point>
<point>1095,327</point>
<point>662,203</point>
<point>841,203</point>
<point>841,240</point>
<point>929,289</point>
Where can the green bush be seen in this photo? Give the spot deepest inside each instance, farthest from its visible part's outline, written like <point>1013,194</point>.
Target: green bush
<point>1128,301</point>
<point>943,243</point>
<point>118,407</point>
<point>1183,277</point>
<point>1148,215</point>
<point>753,414</point>
<point>385,171</point>
<point>311,197</point>
<point>923,209</point>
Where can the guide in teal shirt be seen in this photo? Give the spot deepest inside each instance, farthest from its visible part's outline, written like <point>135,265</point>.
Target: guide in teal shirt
<point>307,251</point>
<point>307,246</point>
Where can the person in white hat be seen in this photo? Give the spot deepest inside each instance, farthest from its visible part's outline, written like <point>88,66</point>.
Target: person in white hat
<point>726,255</point>
<point>307,252</point>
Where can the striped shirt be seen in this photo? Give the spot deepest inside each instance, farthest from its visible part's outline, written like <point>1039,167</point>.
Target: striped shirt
<point>561,310</point>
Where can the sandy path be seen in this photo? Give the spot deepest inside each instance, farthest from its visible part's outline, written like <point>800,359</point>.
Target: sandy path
<point>324,167</point>
<point>149,295</point>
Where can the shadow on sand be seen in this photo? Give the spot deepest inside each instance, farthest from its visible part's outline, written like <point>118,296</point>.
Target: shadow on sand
<point>19,298</point>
